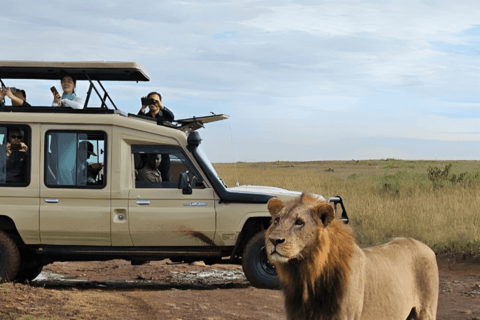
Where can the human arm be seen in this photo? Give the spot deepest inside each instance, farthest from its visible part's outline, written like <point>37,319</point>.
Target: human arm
<point>168,114</point>
<point>13,97</point>
<point>76,103</point>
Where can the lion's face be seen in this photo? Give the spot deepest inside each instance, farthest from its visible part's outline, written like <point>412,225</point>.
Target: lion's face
<point>295,227</point>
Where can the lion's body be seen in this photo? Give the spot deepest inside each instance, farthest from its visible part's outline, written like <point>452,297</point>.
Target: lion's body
<point>325,275</point>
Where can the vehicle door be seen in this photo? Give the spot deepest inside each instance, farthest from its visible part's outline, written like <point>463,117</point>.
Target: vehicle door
<point>161,214</point>
<point>19,179</point>
<point>74,194</point>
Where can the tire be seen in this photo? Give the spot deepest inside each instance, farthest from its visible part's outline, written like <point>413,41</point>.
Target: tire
<point>256,267</point>
<point>9,258</point>
<point>30,268</point>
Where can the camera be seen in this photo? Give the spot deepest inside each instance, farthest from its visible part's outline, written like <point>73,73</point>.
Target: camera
<point>147,101</point>
<point>14,90</point>
<point>15,146</point>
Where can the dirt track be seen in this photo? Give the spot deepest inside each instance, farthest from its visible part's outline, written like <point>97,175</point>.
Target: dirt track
<point>160,290</point>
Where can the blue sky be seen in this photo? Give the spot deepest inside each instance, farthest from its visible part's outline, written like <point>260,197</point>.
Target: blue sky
<point>300,80</point>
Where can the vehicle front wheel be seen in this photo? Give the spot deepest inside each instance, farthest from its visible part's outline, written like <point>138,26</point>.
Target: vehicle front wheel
<point>30,267</point>
<point>256,267</point>
<point>9,258</point>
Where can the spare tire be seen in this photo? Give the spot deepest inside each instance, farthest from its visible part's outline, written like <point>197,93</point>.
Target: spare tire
<point>9,258</point>
<point>256,267</point>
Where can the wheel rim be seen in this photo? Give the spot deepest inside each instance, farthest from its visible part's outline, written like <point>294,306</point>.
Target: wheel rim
<point>265,264</point>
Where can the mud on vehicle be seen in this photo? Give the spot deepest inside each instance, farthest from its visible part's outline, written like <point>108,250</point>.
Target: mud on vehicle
<point>56,212</point>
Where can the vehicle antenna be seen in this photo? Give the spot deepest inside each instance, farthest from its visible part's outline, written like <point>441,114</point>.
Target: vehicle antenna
<point>233,152</point>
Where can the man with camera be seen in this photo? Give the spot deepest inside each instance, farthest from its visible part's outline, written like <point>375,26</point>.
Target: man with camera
<point>16,156</point>
<point>156,109</point>
<point>18,97</point>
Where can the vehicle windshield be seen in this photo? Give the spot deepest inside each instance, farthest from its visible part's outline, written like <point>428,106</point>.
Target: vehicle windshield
<point>207,162</point>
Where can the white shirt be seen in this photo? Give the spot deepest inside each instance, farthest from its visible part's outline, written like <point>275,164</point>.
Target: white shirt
<point>76,103</point>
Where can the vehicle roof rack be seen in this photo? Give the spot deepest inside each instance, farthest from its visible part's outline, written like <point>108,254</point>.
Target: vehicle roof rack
<point>186,125</point>
<point>53,70</point>
<point>86,70</point>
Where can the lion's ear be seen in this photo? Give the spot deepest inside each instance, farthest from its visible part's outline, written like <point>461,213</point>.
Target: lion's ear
<point>324,212</point>
<point>274,206</point>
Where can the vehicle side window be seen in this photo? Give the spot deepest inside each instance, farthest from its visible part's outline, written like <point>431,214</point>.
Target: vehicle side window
<point>161,166</point>
<point>15,143</point>
<point>75,159</point>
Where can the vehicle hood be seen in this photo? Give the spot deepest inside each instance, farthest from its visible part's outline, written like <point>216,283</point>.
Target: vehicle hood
<point>282,194</point>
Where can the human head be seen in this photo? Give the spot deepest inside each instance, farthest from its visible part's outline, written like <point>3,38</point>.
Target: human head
<point>15,135</point>
<point>21,94</point>
<point>89,146</point>
<point>68,84</point>
<point>153,160</point>
<point>152,94</point>
<point>157,98</point>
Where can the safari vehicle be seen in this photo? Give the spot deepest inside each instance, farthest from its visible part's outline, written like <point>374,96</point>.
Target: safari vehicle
<point>56,213</point>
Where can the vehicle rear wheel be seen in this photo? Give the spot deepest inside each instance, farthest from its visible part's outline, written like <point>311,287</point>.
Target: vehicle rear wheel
<point>9,258</point>
<point>256,266</point>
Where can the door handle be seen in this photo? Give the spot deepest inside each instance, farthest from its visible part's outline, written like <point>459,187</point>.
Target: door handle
<point>143,202</point>
<point>51,200</point>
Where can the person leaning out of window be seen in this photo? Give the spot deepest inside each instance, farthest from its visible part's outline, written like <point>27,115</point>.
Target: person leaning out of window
<point>69,98</point>
<point>18,97</point>
<point>156,109</point>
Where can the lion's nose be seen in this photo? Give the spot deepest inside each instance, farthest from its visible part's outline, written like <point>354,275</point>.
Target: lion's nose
<point>276,241</point>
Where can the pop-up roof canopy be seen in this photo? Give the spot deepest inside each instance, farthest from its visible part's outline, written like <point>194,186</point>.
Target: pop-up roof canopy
<point>90,70</point>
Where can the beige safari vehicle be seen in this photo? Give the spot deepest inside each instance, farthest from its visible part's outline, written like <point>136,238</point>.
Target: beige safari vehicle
<point>54,208</point>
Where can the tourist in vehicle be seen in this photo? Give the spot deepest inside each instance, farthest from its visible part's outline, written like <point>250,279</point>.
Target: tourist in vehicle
<point>18,97</point>
<point>150,172</point>
<point>156,109</point>
<point>92,169</point>
<point>69,98</point>
<point>17,156</point>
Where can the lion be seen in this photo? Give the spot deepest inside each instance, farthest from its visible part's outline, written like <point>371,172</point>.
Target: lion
<point>325,275</point>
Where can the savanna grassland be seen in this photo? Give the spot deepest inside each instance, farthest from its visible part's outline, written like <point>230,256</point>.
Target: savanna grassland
<point>436,202</point>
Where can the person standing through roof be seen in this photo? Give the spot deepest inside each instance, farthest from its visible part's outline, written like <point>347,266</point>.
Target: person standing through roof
<point>69,98</point>
<point>158,111</point>
<point>18,97</point>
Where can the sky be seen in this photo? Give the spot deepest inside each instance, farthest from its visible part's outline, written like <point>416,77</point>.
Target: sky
<point>300,80</point>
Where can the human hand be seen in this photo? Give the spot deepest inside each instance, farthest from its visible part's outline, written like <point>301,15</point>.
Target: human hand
<point>58,99</point>
<point>23,147</point>
<point>10,93</point>
<point>9,149</point>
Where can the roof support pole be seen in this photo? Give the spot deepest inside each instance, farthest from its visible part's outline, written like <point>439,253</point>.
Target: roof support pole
<point>89,92</point>
<point>107,95</point>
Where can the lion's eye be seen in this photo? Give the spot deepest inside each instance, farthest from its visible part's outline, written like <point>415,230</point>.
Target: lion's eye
<point>299,222</point>
<point>277,220</point>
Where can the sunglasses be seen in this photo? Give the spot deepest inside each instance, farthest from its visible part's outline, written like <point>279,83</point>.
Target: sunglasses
<point>14,136</point>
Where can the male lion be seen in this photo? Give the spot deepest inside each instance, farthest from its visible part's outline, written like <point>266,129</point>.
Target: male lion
<point>325,275</point>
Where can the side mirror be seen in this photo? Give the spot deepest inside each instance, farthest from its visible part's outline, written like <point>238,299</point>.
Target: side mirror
<point>184,183</point>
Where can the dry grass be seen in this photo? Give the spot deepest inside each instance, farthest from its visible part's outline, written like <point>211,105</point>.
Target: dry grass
<point>384,199</point>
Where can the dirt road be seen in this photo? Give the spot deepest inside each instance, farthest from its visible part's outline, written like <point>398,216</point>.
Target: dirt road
<point>161,290</point>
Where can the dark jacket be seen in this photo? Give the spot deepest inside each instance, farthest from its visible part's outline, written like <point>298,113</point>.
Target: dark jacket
<point>17,167</point>
<point>165,115</point>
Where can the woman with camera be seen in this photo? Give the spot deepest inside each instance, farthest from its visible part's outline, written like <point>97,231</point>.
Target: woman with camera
<point>69,98</point>
<point>157,110</point>
<point>18,97</point>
